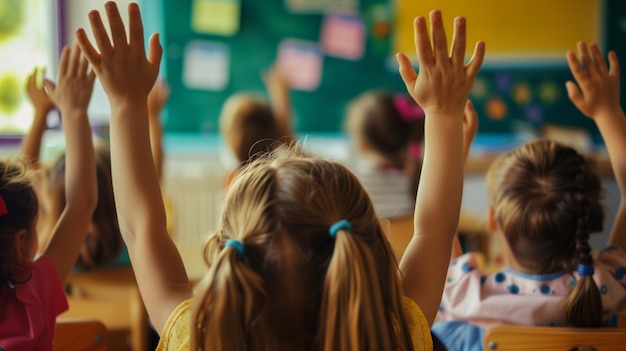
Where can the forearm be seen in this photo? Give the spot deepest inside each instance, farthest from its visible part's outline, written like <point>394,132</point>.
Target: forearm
<point>439,203</point>
<point>156,143</point>
<point>613,130</point>
<point>281,105</point>
<point>31,144</point>
<point>80,170</point>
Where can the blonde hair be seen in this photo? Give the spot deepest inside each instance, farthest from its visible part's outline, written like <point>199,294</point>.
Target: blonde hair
<point>248,125</point>
<point>547,200</point>
<point>296,287</point>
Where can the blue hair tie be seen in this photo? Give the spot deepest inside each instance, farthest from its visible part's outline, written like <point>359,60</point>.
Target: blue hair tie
<point>341,225</point>
<point>585,269</point>
<point>237,245</point>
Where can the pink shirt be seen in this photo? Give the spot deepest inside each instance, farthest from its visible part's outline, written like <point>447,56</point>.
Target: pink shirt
<point>513,297</point>
<point>28,316</point>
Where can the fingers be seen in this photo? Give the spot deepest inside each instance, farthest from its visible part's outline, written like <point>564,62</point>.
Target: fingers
<point>135,28</point>
<point>473,66</point>
<point>598,59</point>
<point>574,94</point>
<point>458,41</point>
<point>155,52</point>
<point>49,87</point>
<point>406,71</point>
<point>74,61</point>
<point>91,54</point>
<point>83,64</point>
<point>64,61</point>
<point>585,57</point>
<point>422,43</point>
<point>100,33</point>
<point>575,67</point>
<point>440,44</point>
<point>614,64</point>
<point>118,32</point>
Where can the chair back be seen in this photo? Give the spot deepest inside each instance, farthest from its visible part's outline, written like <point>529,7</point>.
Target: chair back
<point>80,334</point>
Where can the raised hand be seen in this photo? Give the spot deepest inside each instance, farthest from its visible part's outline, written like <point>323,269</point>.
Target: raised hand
<point>74,85</point>
<point>37,94</point>
<point>597,92</point>
<point>120,63</point>
<point>444,80</point>
<point>157,98</point>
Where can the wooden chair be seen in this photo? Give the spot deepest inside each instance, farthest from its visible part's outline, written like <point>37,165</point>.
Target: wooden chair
<point>111,296</point>
<point>514,338</point>
<point>78,334</point>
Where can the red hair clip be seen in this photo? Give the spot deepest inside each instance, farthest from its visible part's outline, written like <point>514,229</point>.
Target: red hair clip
<point>408,110</point>
<point>3,206</point>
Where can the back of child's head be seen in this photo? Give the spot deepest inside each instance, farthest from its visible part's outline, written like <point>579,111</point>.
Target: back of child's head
<point>18,211</point>
<point>546,199</point>
<point>248,125</point>
<point>390,126</point>
<point>104,240</point>
<point>293,285</point>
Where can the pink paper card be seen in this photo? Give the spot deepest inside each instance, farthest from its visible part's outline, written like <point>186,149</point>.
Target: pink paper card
<point>343,36</point>
<point>301,63</point>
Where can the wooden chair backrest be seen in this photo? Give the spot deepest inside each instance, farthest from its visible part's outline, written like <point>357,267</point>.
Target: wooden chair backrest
<point>515,337</point>
<point>79,334</point>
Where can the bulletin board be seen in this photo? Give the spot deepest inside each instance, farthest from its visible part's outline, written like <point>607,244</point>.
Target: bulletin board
<point>252,49</point>
<point>520,92</point>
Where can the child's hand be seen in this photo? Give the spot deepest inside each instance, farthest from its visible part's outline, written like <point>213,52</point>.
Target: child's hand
<point>74,86</point>
<point>444,80</point>
<point>37,94</point>
<point>158,98</point>
<point>122,67</point>
<point>597,92</point>
<point>275,81</point>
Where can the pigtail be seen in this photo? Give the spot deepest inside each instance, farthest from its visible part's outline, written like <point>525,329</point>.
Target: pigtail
<point>354,315</point>
<point>230,307</point>
<point>584,303</point>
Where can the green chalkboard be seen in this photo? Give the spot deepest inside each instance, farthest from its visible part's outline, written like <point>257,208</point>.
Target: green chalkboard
<point>264,23</point>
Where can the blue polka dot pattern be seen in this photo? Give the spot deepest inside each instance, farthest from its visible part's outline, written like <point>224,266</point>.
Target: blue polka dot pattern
<point>620,273</point>
<point>440,308</point>
<point>453,263</point>
<point>450,280</point>
<point>513,289</point>
<point>500,277</point>
<point>604,289</point>
<point>467,268</point>
<point>545,289</point>
<point>571,282</point>
<point>483,279</point>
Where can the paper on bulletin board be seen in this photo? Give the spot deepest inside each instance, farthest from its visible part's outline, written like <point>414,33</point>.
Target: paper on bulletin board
<point>300,62</point>
<point>321,6</point>
<point>343,36</point>
<point>219,17</point>
<point>206,65</point>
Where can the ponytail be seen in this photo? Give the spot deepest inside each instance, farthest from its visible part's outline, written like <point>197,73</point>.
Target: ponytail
<point>230,308</point>
<point>354,315</point>
<point>584,303</point>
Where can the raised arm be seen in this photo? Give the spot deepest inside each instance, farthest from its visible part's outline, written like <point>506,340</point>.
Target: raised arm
<point>441,89</point>
<point>127,76</point>
<point>71,94</point>
<point>156,102</point>
<point>470,128</point>
<point>279,92</point>
<point>597,96</point>
<point>31,145</point>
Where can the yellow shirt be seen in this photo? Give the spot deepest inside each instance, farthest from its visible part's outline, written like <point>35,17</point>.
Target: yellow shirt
<point>175,336</point>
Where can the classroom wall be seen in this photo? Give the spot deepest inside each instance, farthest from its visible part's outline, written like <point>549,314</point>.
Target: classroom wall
<point>512,95</point>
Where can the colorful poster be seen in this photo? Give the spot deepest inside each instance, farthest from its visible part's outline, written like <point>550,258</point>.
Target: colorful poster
<point>301,62</point>
<point>343,36</point>
<point>219,17</point>
<point>320,5</point>
<point>206,65</point>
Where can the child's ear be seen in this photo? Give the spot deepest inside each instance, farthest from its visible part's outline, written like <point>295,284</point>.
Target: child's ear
<point>492,221</point>
<point>19,245</point>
